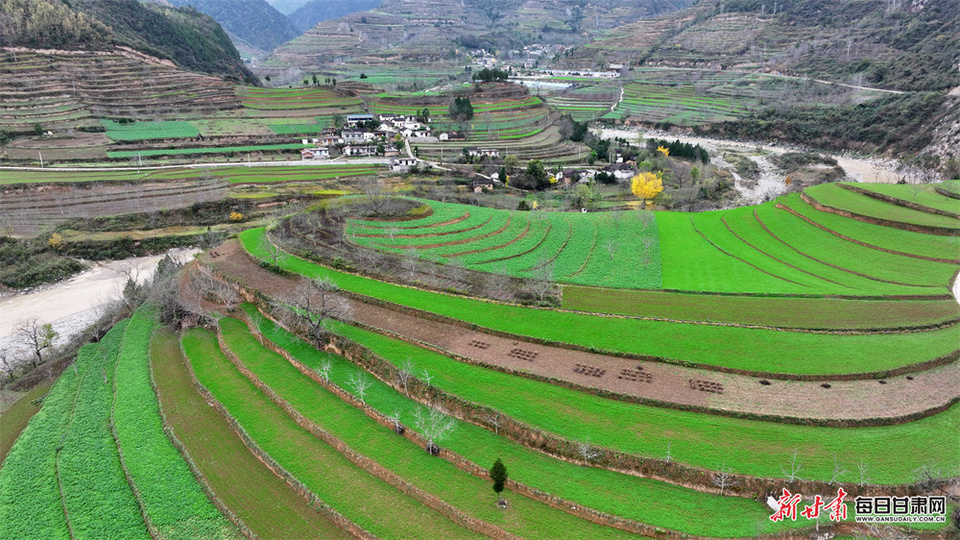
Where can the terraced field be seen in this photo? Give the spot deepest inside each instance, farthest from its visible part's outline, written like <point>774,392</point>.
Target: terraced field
<point>829,307</point>
<point>609,250</point>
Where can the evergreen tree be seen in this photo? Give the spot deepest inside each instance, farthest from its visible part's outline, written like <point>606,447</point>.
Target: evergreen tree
<point>498,473</point>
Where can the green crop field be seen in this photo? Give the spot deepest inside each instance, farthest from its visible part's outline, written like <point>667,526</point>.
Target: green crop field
<point>648,501</point>
<point>235,475</point>
<point>922,194</point>
<point>772,351</point>
<point>209,150</point>
<point>466,492</point>
<point>833,196</point>
<point>178,507</point>
<point>141,131</point>
<point>752,447</point>
<point>368,501</point>
<point>612,250</point>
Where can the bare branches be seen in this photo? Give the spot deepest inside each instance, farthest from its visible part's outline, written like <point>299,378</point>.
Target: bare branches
<point>494,420</point>
<point>36,337</point>
<point>316,304</point>
<point>790,473</point>
<point>587,451</point>
<point>837,471</point>
<point>360,383</point>
<point>404,374</point>
<point>862,469</point>
<point>723,478</point>
<point>433,425</point>
<point>326,365</point>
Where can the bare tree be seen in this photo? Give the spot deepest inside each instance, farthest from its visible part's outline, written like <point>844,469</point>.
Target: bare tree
<point>494,420</point>
<point>587,451</point>
<point>541,282</point>
<point>409,263</point>
<point>837,470</point>
<point>360,382</point>
<point>862,470</point>
<point>794,468</point>
<point>723,479</point>
<point>395,420</point>
<point>8,364</point>
<point>404,374</point>
<point>433,425</point>
<point>930,479</point>
<point>457,271</point>
<point>326,365</point>
<point>375,194</point>
<point>427,377</point>
<point>274,254</point>
<point>317,303</point>
<point>611,246</point>
<point>37,337</point>
<point>668,458</point>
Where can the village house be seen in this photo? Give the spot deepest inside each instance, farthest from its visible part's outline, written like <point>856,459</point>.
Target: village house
<point>488,152</point>
<point>353,137</point>
<point>621,171</point>
<point>402,163</point>
<point>314,153</point>
<point>481,183</point>
<point>451,136</point>
<point>359,151</point>
<point>354,119</point>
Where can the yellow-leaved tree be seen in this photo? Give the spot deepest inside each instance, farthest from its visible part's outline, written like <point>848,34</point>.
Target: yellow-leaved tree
<point>647,185</point>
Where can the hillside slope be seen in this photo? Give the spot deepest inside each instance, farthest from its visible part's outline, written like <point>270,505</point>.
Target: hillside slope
<point>909,46</point>
<point>315,11</point>
<point>190,39</point>
<point>254,21</point>
<point>444,29</point>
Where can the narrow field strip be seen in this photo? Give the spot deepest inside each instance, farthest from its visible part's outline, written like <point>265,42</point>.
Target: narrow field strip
<point>439,477</point>
<point>831,196</point>
<point>771,351</point>
<point>728,247</point>
<point>815,244</point>
<point>28,479</point>
<point>262,501</point>
<point>895,241</point>
<point>368,501</point>
<point>424,235</point>
<point>536,239</point>
<point>923,197</point>
<point>98,500</point>
<point>486,249</point>
<point>840,314</point>
<point>177,507</point>
<point>648,501</point>
<point>458,242</point>
<point>717,272</point>
<point>749,446</point>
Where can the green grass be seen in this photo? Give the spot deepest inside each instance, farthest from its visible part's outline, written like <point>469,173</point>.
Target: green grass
<point>770,351</point>
<point>470,494</point>
<point>529,239</point>
<point>97,497</point>
<point>195,151</point>
<point>922,194</point>
<point>836,197</point>
<point>771,311</point>
<point>142,131</point>
<point>892,453</point>
<point>30,502</point>
<point>648,501</point>
<point>177,506</point>
<point>367,501</point>
<point>260,499</point>
<point>914,243</point>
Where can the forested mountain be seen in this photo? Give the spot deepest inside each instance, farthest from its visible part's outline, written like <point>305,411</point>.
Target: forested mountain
<point>315,11</point>
<point>192,40</point>
<point>254,21</point>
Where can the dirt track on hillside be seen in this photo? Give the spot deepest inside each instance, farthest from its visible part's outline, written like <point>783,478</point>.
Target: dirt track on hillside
<point>843,400</point>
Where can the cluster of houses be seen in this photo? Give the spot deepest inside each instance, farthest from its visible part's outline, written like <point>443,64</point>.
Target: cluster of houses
<point>358,139</point>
